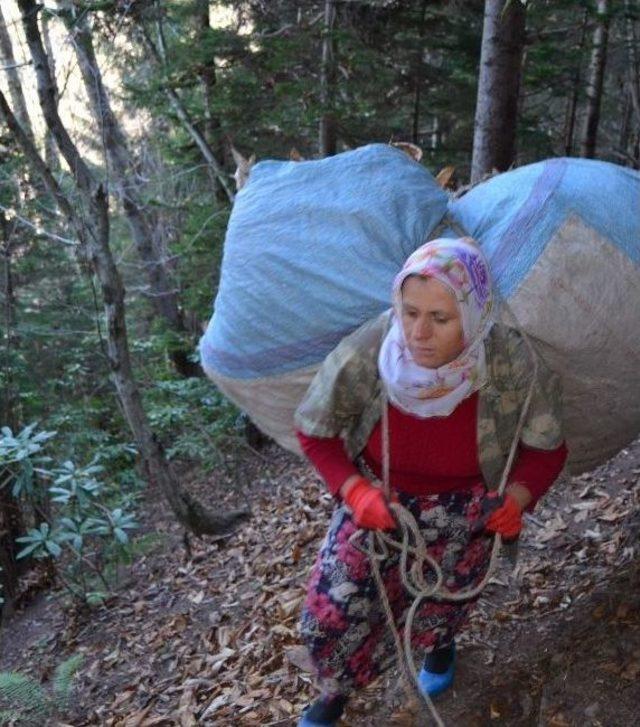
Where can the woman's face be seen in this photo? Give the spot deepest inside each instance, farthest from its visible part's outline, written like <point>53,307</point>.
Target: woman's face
<point>431,322</point>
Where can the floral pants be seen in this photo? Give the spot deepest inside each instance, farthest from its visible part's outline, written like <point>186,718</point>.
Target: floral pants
<point>343,624</point>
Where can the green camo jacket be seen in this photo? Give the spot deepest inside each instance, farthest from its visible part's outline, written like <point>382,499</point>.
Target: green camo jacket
<point>345,397</point>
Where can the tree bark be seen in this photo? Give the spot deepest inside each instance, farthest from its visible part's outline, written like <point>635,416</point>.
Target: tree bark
<point>8,413</point>
<point>633,66</point>
<point>162,292</point>
<point>625,119</point>
<point>93,234</point>
<point>13,78</point>
<point>11,527</point>
<point>328,133</point>
<point>11,518</point>
<point>419,66</point>
<point>633,59</point>
<point>503,38</point>
<point>572,104</point>
<point>595,79</point>
<point>212,126</point>
<point>50,149</point>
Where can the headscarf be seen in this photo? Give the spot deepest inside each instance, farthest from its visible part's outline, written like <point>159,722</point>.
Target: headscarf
<point>461,266</point>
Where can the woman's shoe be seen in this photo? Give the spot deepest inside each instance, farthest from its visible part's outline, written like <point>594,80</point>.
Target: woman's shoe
<point>306,722</point>
<point>434,683</point>
<point>324,713</point>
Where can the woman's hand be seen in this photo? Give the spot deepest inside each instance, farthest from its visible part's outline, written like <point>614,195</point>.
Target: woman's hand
<point>368,504</point>
<point>507,518</point>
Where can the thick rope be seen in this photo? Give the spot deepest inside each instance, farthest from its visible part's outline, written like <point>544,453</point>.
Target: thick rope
<point>413,544</point>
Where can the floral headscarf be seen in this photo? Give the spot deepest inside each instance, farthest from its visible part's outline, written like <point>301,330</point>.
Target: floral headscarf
<point>460,265</point>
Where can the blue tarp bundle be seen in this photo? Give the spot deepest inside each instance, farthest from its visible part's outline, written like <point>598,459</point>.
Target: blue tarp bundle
<point>514,215</point>
<point>312,249</point>
<point>310,253</point>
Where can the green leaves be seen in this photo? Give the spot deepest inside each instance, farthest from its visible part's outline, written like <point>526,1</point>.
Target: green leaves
<point>115,524</point>
<point>41,543</point>
<point>17,457</point>
<point>91,518</point>
<point>80,485</point>
<point>28,702</point>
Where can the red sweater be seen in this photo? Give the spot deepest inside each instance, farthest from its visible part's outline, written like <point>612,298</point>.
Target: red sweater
<point>437,454</point>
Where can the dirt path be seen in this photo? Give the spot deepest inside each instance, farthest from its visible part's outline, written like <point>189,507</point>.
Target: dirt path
<point>211,639</point>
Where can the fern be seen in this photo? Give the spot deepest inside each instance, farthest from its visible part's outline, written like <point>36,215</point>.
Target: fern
<point>24,696</point>
<point>63,677</point>
<point>27,703</point>
<point>9,715</point>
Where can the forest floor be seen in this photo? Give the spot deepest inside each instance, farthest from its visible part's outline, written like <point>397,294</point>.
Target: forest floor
<point>210,637</point>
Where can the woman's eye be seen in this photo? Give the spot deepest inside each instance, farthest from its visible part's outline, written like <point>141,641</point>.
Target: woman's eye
<point>439,319</point>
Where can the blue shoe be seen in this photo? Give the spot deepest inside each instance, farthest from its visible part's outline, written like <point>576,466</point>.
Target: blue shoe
<point>432,683</point>
<point>324,713</point>
<point>306,722</point>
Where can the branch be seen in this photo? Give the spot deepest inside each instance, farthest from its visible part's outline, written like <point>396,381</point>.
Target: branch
<point>36,228</point>
<point>47,93</point>
<point>11,66</point>
<point>160,56</point>
<point>30,151</point>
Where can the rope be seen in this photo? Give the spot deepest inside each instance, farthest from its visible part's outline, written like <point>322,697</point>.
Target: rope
<point>412,544</point>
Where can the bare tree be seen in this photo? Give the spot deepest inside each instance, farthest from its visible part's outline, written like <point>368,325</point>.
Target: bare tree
<point>11,519</point>
<point>418,76</point>
<point>503,38</point>
<point>162,293</point>
<point>572,103</point>
<point>50,149</point>
<point>595,78</point>
<point>328,137</point>
<point>633,69</point>
<point>208,81</point>
<point>91,224</point>
<point>7,60</point>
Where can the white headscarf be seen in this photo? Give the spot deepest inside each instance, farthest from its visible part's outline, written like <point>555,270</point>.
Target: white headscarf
<point>460,265</point>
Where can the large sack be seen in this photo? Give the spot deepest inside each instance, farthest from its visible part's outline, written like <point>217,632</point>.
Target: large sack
<point>563,241</point>
<point>310,253</point>
<point>312,249</point>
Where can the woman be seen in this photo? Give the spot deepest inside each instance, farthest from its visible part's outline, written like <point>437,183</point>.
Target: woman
<point>454,383</point>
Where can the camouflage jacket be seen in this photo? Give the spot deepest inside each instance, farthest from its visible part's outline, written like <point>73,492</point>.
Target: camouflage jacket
<point>345,397</point>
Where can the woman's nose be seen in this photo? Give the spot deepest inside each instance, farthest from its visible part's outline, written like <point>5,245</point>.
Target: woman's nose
<point>423,329</point>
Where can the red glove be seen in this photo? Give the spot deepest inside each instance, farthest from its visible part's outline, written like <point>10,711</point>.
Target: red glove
<point>506,519</point>
<point>369,506</point>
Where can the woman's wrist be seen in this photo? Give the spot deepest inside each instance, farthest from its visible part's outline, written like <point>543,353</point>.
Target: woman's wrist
<point>520,494</point>
<point>348,484</point>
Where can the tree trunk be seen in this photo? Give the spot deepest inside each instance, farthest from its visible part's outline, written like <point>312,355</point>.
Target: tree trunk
<point>503,38</point>
<point>13,78</point>
<point>595,78</point>
<point>328,137</point>
<point>162,292</point>
<point>625,119</point>
<point>8,413</point>
<point>11,527</point>
<point>212,126</point>
<point>633,60</point>
<point>93,234</point>
<point>572,104</point>
<point>11,519</point>
<point>419,66</point>
<point>50,149</point>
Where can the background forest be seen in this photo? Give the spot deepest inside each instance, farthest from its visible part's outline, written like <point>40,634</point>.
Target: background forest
<point>120,125</point>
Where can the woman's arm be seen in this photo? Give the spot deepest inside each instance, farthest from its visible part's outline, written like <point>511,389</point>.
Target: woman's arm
<point>366,502</point>
<point>533,473</point>
<point>329,457</point>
